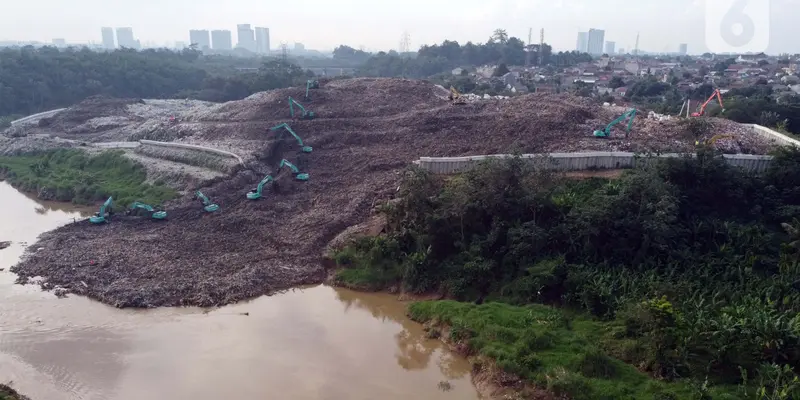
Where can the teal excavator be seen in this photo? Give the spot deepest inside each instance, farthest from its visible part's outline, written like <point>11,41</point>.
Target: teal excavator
<point>255,194</point>
<point>299,176</point>
<point>311,84</point>
<point>306,149</point>
<point>105,211</point>
<point>207,204</point>
<point>138,207</point>
<point>605,133</point>
<point>306,114</point>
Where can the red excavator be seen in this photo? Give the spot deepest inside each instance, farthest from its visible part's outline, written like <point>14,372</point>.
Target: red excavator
<point>716,94</point>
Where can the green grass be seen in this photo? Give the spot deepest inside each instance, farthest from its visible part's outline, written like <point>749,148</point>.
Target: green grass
<point>73,175</point>
<point>554,349</point>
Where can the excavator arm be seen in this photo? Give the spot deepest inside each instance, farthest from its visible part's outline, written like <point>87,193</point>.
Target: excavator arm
<point>306,114</point>
<point>300,176</point>
<point>306,149</point>
<point>138,204</point>
<point>630,115</point>
<point>107,205</point>
<point>311,84</point>
<point>263,182</point>
<point>716,94</point>
<point>207,204</point>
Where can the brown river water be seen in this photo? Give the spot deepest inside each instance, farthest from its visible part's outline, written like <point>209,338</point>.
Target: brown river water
<point>312,343</point>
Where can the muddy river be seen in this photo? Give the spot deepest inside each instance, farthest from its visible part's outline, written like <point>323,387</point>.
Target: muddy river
<point>311,343</point>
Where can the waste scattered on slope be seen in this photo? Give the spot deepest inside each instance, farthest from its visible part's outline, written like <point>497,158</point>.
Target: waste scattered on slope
<point>365,132</point>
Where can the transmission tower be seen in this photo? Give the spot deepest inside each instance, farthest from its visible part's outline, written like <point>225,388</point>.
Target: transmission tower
<point>405,43</point>
<point>284,51</point>
<point>541,48</point>
<point>529,47</point>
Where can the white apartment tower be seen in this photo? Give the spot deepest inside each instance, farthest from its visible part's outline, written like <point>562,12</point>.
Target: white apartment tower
<point>583,42</point>
<point>596,40</point>
<point>201,38</point>
<point>125,38</point>
<point>221,40</point>
<point>108,38</point>
<point>611,48</point>
<point>246,37</point>
<point>262,40</point>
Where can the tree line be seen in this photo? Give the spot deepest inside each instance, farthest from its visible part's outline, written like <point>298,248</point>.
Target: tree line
<point>39,79</point>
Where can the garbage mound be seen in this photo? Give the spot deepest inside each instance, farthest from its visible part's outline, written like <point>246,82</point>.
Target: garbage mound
<point>366,132</point>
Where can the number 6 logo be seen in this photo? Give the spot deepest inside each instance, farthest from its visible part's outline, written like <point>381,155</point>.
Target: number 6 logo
<point>737,26</point>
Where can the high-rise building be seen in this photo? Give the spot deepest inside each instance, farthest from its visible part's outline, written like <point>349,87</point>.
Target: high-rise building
<point>583,42</point>
<point>108,38</point>
<point>596,38</point>
<point>245,37</point>
<point>59,42</point>
<point>611,47</point>
<point>299,46</point>
<point>221,40</point>
<point>201,38</point>
<point>683,49</point>
<point>262,40</point>
<point>125,38</point>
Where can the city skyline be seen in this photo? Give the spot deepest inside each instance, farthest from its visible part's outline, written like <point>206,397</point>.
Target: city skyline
<point>380,28</point>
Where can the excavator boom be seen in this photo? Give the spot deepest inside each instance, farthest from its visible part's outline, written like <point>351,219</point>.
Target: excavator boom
<point>300,176</point>
<point>630,115</point>
<point>306,114</point>
<point>306,149</point>
<point>716,94</point>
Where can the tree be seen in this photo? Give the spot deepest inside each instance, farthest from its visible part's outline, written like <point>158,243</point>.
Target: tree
<point>500,36</point>
<point>616,82</point>
<point>501,70</point>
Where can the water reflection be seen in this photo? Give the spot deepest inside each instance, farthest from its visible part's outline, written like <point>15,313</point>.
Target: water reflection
<point>415,349</point>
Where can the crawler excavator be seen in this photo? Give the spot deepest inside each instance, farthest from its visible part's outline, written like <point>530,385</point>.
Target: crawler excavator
<point>208,206</point>
<point>138,207</point>
<point>306,149</point>
<point>309,115</point>
<point>702,111</point>
<point>255,193</point>
<point>310,84</point>
<point>299,176</point>
<point>105,211</point>
<point>605,133</point>
<point>455,97</point>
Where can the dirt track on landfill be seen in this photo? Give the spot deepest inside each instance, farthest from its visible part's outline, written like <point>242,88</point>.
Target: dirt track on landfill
<point>366,132</point>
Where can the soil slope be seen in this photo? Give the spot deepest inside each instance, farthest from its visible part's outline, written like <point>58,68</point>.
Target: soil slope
<point>365,133</point>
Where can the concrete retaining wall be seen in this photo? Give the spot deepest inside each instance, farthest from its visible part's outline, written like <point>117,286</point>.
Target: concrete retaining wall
<point>580,161</point>
<point>604,160</point>
<point>34,117</point>
<point>193,147</point>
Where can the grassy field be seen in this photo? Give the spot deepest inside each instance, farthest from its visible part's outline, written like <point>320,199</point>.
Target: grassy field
<point>565,353</point>
<point>73,175</point>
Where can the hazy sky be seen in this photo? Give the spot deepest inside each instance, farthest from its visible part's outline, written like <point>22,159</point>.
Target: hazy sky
<point>376,24</point>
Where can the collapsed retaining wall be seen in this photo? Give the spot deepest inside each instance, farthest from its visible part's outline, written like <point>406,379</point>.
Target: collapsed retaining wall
<point>604,160</point>
<point>193,147</point>
<point>33,117</point>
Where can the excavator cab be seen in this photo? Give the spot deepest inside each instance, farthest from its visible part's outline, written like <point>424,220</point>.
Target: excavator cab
<point>455,96</point>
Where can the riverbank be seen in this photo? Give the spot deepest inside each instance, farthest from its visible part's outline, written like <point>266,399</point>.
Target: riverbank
<point>72,175</point>
<point>632,284</point>
<point>8,393</point>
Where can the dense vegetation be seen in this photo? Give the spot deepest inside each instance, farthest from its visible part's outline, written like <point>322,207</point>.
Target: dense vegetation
<point>8,393</point>
<point>73,175</point>
<point>34,80</point>
<point>439,58</point>
<point>750,105</point>
<point>691,265</point>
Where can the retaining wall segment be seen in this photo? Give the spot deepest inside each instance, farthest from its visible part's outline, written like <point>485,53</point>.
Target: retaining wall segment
<point>40,115</point>
<point>193,147</point>
<point>581,161</point>
<point>605,160</point>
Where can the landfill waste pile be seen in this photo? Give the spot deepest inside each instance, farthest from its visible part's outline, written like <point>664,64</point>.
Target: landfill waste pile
<point>365,133</point>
